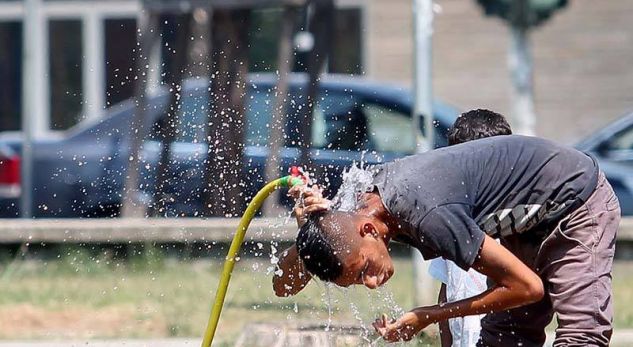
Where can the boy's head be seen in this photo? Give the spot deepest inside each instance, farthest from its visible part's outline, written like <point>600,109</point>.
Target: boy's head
<point>477,124</point>
<point>345,248</point>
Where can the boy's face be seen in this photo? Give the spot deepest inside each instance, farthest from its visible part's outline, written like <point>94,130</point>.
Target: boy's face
<point>367,262</point>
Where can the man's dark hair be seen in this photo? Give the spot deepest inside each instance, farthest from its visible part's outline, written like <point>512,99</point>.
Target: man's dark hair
<point>316,248</point>
<point>477,124</point>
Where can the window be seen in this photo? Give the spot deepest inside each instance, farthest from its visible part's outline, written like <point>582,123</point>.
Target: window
<point>192,118</point>
<point>390,130</point>
<point>346,57</point>
<point>263,39</point>
<point>10,75</point>
<point>346,122</point>
<point>342,121</point>
<point>120,44</point>
<point>65,61</point>
<point>259,108</point>
<point>623,141</point>
<point>345,46</point>
<point>194,111</point>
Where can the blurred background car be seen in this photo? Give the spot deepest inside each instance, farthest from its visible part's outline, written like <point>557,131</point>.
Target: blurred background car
<point>612,146</point>
<point>81,173</point>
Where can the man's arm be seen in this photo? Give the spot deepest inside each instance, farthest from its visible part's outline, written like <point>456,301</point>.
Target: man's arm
<point>446,338</point>
<point>515,285</point>
<point>293,277</point>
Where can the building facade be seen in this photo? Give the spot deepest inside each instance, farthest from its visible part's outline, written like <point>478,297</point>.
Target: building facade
<point>88,48</point>
<point>583,75</point>
<point>582,58</point>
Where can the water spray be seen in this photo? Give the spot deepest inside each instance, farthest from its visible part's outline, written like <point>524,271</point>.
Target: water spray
<point>295,178</point>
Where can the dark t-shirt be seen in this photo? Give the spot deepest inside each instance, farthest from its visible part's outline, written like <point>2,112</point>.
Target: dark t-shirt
<point>503,185</point>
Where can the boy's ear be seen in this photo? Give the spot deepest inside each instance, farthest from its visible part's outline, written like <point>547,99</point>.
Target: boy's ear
<point>368,229</point>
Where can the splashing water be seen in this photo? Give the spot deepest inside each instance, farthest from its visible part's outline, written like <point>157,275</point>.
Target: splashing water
<point>366,334</point>
<point>328,297</point>
<point>390,305</point>
<point>356,181</point>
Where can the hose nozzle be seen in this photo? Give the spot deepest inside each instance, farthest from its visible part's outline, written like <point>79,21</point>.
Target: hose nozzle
<point>297,177</point>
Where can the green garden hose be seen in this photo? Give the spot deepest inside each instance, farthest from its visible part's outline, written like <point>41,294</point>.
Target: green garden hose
<point>229,263</point>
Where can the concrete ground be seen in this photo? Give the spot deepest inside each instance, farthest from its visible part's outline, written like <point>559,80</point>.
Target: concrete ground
<point>621,338</point>
<point>108,343</point>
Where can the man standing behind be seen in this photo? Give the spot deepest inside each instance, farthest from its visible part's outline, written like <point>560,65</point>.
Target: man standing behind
<point>458,284</point>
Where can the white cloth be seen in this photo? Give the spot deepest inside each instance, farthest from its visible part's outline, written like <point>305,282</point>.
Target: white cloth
<point>460,285</point>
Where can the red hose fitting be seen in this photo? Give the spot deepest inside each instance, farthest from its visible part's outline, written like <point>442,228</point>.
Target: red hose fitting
<point>296,171</point>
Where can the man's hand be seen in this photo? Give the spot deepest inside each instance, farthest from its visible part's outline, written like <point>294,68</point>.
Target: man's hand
<point>515,285</point>
<point>308,200</point>
<point>402,329</point>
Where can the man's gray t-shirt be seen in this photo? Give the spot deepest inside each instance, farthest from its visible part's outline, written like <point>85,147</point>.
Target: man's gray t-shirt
<point>503,185</point>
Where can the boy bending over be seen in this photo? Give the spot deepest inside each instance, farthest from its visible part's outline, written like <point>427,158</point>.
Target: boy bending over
<point>551,207</point>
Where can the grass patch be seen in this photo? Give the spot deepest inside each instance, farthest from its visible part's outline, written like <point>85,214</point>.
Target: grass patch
<point>84,295</point>
<point>153,297</point>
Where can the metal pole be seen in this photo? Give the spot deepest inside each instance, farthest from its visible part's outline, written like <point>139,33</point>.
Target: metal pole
<point>423,83</point>
<point>33,39</point>
<point>423,107</point>
<point>520,62</point>
<point>520,65</point>
<point>93,73</point>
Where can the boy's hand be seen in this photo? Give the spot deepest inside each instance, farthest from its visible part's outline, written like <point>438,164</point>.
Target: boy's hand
<point>302,191</point>
<point>402,329</point>
<point>308,200</point>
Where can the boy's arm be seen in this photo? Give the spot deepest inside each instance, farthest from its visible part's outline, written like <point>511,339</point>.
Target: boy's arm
<point>515,285</point>
<point>293,277</point>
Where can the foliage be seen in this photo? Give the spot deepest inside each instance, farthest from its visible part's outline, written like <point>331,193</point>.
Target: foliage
<point>522,13</point>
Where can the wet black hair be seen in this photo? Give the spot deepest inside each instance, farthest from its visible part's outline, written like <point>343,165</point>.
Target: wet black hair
<point>477,124</point>
<point>316,249</point>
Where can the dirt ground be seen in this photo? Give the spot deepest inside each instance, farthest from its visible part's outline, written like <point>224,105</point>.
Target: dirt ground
<point>28,321</point>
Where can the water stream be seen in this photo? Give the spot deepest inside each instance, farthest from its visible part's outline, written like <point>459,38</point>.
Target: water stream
<point>355,181</point>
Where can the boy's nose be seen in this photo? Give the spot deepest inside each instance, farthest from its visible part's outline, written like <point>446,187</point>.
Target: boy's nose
<point>371,282</point>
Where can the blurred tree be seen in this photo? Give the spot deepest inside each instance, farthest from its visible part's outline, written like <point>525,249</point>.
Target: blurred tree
<point>521,16</point>
<point>320,26</point>
<point>285,59</point>
<point>522,13</point>
<point>266,26</point>
<point>168,123</point>
<point>147,39</point>
<point>228,64</point>
<point>222,195</point>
